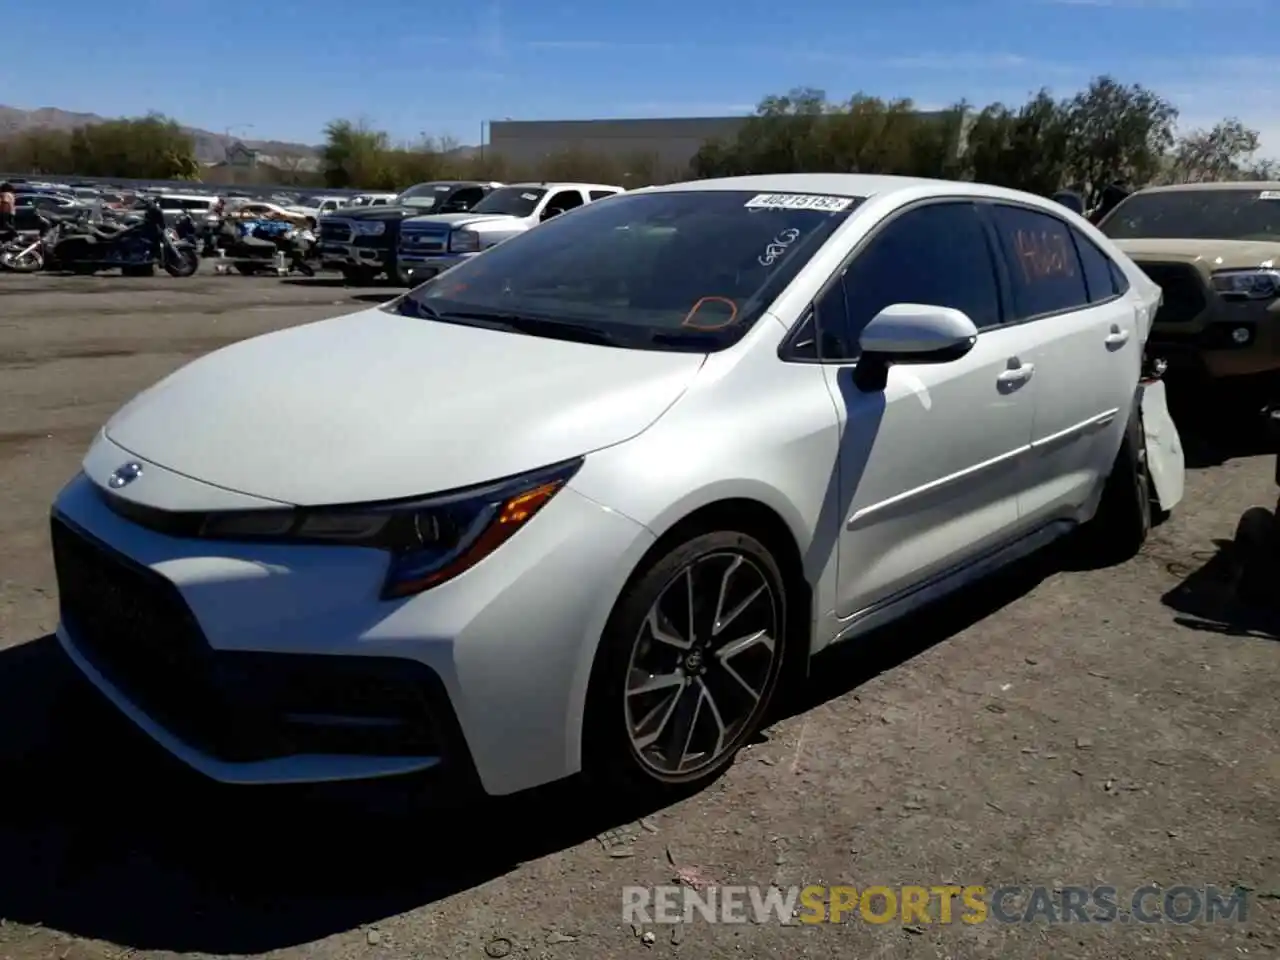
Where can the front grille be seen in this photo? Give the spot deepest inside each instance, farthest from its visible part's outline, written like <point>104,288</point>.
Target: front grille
<point>138,631</point>
<point>1184,291</point>
<point>134,626</point>
<point>424,241</point>
<point>335,231</point>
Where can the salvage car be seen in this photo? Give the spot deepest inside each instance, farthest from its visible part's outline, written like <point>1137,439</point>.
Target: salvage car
<point>261,210</point>
<point>1214,248</point>
<point>433,243</point>
<point>315,207</point>
<point>583,503</point>
<point>373,199</point>
<point>362,241</point>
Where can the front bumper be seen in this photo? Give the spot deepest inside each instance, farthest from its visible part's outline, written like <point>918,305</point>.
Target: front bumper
<point>279,664</point>
<point>1200,332</point>
<point>338,255</point>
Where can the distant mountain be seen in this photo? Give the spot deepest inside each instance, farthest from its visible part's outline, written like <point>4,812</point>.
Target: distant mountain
<point>210,147</point>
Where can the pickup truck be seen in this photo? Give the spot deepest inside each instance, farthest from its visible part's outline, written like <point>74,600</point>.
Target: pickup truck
<point>362,241</point>
<point>431,244</point>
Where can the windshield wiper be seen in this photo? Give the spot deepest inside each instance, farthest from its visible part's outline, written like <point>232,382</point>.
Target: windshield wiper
<point>700,342</point>
<point>534,326</point>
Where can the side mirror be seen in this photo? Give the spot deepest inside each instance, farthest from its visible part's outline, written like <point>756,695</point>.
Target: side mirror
<point>913,333</point>
<point>550,212</point>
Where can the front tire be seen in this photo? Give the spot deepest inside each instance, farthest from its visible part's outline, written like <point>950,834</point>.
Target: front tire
<point>186,264</point>
<point>15,260</point>
<point>1120,526</point>
<point>687,666</point>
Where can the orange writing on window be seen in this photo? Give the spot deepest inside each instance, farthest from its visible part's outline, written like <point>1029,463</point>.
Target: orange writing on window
<point>1044,255</point>
<point>691,319</point>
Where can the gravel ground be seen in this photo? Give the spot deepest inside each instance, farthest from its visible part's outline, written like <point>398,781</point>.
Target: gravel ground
<point>1054,728</point>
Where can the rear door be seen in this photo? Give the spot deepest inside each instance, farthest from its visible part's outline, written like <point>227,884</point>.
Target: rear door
<point>1087,353</point>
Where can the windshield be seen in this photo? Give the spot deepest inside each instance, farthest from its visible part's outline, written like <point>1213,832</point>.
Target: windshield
<point>657,270</point>
<point>511,201</point>
<point>424,195</point>
<point>1197,215</point>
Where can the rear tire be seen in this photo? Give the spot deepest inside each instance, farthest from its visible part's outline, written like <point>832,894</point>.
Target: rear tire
<point>1124,516</point>
<point>669,706</point>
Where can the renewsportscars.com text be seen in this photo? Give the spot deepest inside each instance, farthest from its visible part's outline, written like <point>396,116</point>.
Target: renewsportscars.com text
<point>939,903</point>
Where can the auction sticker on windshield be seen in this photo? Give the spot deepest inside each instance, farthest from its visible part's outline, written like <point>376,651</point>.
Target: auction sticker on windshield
<point>798,201</point>
<point>1269,195</point>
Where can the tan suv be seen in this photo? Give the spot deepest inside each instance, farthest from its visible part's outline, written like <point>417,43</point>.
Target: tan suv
<point>1214,248</point>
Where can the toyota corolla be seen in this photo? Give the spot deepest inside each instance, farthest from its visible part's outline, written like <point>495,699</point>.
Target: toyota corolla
<point>583,502</point>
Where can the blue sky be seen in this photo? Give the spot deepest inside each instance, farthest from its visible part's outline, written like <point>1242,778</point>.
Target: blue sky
<point>281,68</point>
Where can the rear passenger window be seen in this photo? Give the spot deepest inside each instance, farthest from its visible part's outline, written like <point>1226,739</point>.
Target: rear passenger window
<point>1118,277</point>
<point>1099,271</point>
<point>1044,268</point>
<point>601,194</point>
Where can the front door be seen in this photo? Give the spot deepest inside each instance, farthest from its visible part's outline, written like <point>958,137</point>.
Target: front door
<point>931,467</point>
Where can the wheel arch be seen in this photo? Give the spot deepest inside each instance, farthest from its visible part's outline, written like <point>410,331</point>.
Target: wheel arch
<point>762,522</point>
<point>757,519</point>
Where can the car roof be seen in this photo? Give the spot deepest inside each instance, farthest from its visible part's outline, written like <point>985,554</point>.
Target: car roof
<point>566,185</point>
<point>851,185</point>
<point>1250,186</point>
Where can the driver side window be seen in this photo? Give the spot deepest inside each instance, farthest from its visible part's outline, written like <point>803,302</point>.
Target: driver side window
<point>937,255</point>
<point>561,202</point>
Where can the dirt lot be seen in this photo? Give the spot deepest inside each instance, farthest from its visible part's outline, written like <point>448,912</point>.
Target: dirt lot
<point>1114,727</point>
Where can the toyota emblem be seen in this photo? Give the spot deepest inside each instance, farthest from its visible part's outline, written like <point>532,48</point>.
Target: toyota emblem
<point>124,475</point>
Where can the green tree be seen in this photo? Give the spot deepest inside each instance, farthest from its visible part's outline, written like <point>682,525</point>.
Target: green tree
<point>1023,149</point>
<point>37,151</point>
<point>355,156</point>
<point>146,148</point>
<point>1225,152</point>
<point>1117,132</point>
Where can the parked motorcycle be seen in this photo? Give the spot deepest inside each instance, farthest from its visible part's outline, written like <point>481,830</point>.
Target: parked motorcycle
<point>33,254</point>
<point>253,246</point>
<point>136,249</point>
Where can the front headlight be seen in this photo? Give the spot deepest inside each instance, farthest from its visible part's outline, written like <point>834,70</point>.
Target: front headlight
<point>430,540</point>
<point>464,241</point>
<point>369,228</point>
<point>1260,284</point>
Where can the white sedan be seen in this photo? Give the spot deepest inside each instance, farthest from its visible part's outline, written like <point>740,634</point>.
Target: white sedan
<point>581,503</point>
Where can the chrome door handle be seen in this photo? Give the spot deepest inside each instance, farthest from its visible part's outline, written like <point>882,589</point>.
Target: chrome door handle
<point>1117,337</point>
<point>1017,374</point>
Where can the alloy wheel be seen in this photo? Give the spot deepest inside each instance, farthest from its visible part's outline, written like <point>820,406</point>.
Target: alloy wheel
<point>701,664</point>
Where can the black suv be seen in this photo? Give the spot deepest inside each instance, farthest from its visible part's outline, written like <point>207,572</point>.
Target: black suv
<point>362,241</point>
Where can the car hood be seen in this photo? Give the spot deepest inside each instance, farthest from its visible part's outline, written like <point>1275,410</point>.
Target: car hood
<point>1212,254</point>
<point>375,213</point>
<point>466,219</point>
<point>375,406</point>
